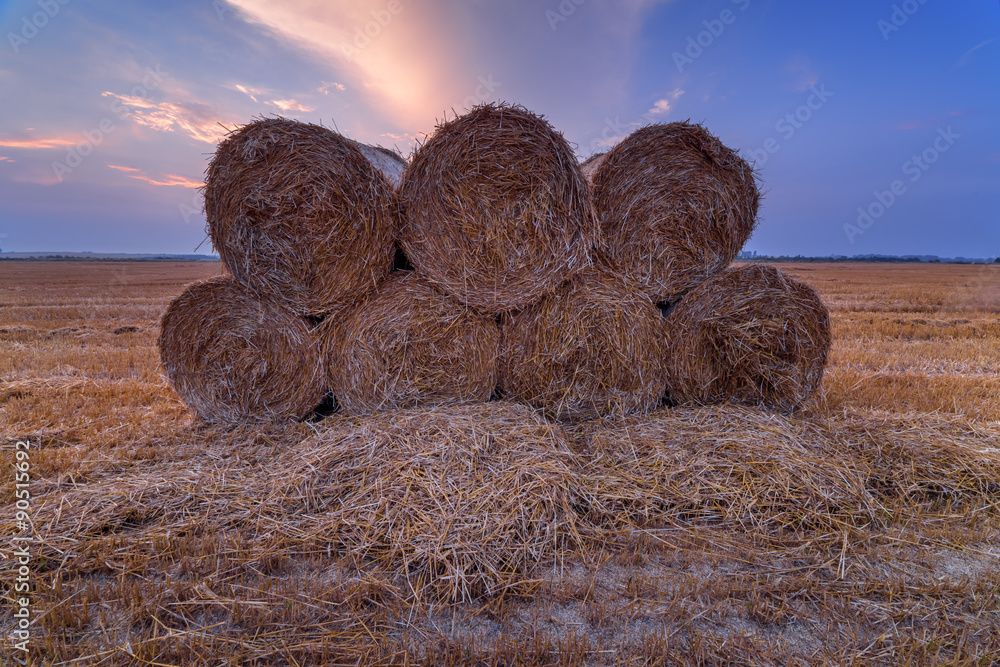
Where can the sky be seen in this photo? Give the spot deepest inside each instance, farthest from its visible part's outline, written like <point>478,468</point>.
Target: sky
<point>869,121</point>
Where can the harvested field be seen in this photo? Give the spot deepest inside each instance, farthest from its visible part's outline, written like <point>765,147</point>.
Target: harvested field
<point>862,529</point>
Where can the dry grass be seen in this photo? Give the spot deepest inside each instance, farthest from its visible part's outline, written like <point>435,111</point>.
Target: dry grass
<point>497,212</point>
<point>749,335</point>
<point>409,345</point>
<point>675,205</point>
<point>277,191</point>
<point>237,357</point>
<point>595,347</point>
<point>162,541</point>
<point>463,501</point>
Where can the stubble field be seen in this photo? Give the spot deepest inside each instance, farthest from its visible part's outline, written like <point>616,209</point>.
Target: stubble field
<point>874,538</point>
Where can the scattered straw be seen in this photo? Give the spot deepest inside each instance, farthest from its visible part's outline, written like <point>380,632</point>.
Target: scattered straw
<point>497,212</point>
<point>297,211</point>
<point>235,357</point>
<point>675,205</point>
<point>462,499</point>
<point>722,464</point>
<point>410,345</point>
<point>749,335</point>
<point>596,347</point>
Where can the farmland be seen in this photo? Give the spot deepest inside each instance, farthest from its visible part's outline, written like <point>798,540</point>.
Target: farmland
<point>873,537</point>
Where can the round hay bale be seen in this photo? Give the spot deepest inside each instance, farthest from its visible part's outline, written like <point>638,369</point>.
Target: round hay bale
<point>497,212</point>
<point>234,357</point>
<point>594,348</point>
<point>409,345</point>
<point>390,163</point>
<point>749,335</point>
<point>675,206</point>
<point>589,166</point>
<point>462,501</point>
<point>297,211</point>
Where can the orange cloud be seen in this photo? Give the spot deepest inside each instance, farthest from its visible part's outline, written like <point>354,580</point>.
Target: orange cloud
<point>168,180</point>
<point>393,51</point>
<point>5,159</point>
<point>193,119</point>
<point>37,143</point>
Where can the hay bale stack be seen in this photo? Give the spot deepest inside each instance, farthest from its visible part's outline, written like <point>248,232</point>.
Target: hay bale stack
<point>233,357</point>
<point>728,465</point>
<point>297,211</point>
<point>675,206</point>
<point>410,345</point>
<point>750,335</point>
<point>391,164</point>
<point>594,348</point>
<point>461,500</point>
<point>497,212</point>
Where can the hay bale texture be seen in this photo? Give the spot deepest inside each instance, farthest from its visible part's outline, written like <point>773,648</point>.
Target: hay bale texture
<point>234,357</point>
<point>589,166</point>
<point>675,206</point>
<point>410,345</point>
<point>390,163</point>
<point>461,500</point>
<point>749,335</point>
<point>497,212</point>
<point>595,347</point>
<point>297,211</point>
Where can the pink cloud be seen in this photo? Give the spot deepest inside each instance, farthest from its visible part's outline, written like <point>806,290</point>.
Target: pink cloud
<point>167,181</point>
<point>54,142</point>
<point>193,119</point>
<point>291,105</point>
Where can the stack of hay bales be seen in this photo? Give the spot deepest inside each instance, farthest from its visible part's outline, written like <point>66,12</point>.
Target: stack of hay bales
<point>676,207</point>
<point>305,225</point>
<point>532,277</point>
<point>529,278</point>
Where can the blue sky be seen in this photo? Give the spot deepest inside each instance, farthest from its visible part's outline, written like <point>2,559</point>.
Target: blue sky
<point>870,121</point>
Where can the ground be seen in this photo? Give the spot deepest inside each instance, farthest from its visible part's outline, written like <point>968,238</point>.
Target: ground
<point>862,529</point>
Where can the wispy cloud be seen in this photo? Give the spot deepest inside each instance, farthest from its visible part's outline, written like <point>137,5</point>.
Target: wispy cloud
<point>291,105</point>
<point>39,143</point>
<point>196,120</point>
<point>968,54</point>
<point>664,105</point>
<point>5,159</point>
<point>167,180</point>
<point>327,85</point>
<point>252,93</point>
